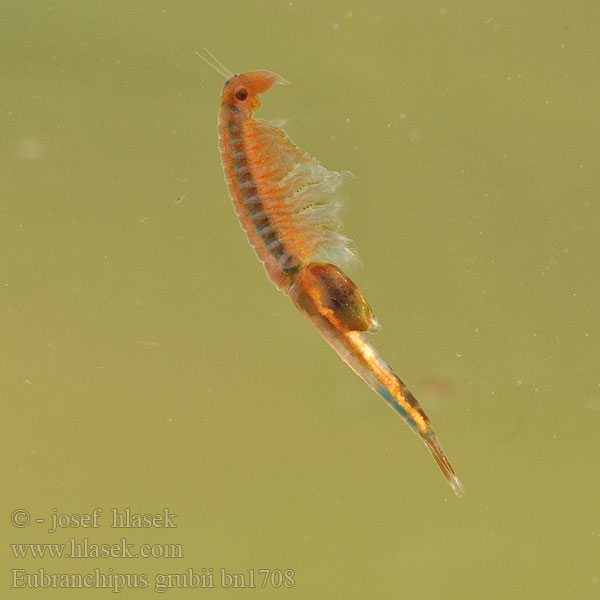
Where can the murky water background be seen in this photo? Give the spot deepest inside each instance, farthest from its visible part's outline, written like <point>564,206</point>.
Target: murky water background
<point>148,363</point>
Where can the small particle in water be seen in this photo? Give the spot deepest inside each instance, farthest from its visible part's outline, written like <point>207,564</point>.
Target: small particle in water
<point>30,148</point>
<point>415,135</point>
<point>180,198</point>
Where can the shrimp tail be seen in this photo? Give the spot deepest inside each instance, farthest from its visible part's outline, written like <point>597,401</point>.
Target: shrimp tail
<point>334,304</point>
<point>434,446</point>
<point>366,362</point>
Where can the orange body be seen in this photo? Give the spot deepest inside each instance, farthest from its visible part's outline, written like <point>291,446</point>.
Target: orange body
<point>287,205</point>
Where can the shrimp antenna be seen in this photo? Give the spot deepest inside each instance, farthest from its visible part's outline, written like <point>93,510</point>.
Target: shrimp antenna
<point>216,64</point>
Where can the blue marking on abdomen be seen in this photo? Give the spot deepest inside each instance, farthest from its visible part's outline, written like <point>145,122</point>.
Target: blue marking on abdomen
<point>387,396</point>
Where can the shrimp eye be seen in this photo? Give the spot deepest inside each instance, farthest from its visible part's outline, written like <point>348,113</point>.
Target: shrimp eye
<point>241,94</point>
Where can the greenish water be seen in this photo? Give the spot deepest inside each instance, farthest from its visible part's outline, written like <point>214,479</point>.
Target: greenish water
<point>148,363</point>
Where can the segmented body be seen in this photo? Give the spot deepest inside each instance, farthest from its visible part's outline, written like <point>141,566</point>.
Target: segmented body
<point>255,199</point>
<point>284,198</point>
<point>287,205</point>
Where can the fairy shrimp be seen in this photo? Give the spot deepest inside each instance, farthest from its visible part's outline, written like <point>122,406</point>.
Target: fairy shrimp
<point>287,203</point>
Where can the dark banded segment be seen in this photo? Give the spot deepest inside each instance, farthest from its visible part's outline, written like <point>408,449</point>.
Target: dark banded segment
<point>250,196</point>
